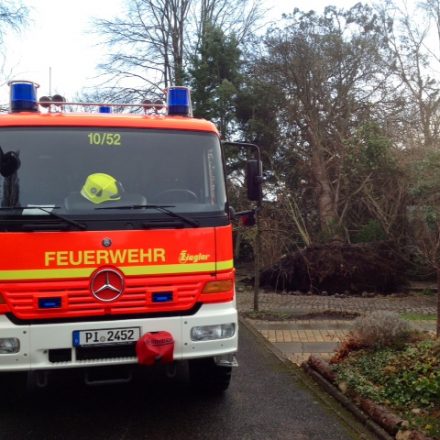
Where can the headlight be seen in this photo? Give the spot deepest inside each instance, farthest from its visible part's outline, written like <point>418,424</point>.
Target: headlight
<point>9,345</point>
<point>211,332</point>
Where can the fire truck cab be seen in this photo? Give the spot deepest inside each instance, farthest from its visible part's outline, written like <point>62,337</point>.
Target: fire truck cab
<point>115,240</point>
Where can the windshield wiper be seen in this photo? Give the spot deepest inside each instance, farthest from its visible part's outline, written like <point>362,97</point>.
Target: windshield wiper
<point>47,210</point>
<point>160,208</point>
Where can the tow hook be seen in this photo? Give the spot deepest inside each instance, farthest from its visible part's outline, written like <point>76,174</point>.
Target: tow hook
<point>171,370</point>
<point>37,379</point>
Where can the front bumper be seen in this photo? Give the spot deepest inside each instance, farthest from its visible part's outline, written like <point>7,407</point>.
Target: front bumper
<point>38,343</point>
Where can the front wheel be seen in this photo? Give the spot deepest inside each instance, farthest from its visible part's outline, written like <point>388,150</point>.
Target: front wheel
<point>208,377</point>
<point>13,387</point>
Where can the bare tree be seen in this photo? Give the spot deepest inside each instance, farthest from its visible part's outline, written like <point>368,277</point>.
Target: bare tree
<point>432,7</point>
<point>424,212</point>
<point>239,17</point>
<point>414,66</point>
<point>13,16</point>
<point>146,45</point>
<point>150,46</point>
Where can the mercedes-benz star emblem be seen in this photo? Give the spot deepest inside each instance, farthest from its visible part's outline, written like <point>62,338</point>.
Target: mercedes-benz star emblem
<point>107,285</point>
<point>106,242</point>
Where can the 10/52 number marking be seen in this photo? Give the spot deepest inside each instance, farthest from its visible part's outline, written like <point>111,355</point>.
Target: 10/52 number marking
<point>109,139</point>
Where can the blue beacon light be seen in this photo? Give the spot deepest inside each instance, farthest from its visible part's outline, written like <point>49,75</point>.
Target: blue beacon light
<point>179,101</point>
<point>23,96</point>
<point>105,109</point>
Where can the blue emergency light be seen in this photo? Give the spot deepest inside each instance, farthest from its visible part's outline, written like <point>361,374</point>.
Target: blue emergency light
<point>160,297</point>
<point>23,96</point>
<point>105,109</point>
<point>49,303</point>
<point>179,101</point>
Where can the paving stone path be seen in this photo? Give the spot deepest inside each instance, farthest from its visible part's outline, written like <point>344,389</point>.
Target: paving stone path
<point>299,338</point>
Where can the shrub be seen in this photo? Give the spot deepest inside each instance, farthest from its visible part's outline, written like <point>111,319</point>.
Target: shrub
<point>381,329</point>
<point>372,231</point>
<point>406,380</point>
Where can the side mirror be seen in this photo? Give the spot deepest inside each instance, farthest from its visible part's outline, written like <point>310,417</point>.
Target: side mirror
<point>247,218</point>
<point>254,180</point>
<point>254,171</point>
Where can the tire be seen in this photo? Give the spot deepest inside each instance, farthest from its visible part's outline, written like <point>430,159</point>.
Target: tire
<point>207,377</point>
<point>13,386</point>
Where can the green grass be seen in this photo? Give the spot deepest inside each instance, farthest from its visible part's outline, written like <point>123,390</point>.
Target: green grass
<point>410,316</point>
<point>428,292</point>
<point>280,315</point>
<point>271,315</point>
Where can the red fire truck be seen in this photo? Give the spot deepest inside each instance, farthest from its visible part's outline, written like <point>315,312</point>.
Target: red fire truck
<point>115,240</point>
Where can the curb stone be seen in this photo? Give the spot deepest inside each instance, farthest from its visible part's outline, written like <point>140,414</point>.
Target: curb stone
<point>347,403</point>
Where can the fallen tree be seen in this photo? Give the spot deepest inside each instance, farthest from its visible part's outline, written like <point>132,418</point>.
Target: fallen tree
<point>338,268</point>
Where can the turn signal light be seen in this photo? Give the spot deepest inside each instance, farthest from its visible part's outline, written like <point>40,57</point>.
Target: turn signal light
<point>218,286</point>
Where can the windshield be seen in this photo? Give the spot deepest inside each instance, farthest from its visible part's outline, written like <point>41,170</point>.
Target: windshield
<point>82,170</point>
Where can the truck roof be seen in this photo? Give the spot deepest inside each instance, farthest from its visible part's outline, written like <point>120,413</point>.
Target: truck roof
<point>28,119</point>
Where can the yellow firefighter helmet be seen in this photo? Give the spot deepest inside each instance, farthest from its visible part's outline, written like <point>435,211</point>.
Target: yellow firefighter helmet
<point>101,187</point>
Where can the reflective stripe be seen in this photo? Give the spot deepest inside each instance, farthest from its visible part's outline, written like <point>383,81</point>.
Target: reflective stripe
<point>40,274</point>
<point>225,265</point>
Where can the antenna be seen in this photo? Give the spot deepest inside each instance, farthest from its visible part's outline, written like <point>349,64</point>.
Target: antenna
<point>50,81</point>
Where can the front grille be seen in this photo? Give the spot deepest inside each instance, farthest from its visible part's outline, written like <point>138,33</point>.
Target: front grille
<point>105,352</point>
<point>78,302</point>
<point>60,355</point>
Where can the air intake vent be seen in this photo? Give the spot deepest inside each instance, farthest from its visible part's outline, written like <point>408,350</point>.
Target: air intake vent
<point>106,352</point>
<point>60,355</point>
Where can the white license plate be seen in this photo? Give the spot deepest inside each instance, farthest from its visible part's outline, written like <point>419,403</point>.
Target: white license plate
<point>106,336</point>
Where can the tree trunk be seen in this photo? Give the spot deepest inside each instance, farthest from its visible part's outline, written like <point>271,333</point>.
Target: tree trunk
<point>237,244</point>
<point>326,200</point>
<point>257,257</point>
<point>438,302</point>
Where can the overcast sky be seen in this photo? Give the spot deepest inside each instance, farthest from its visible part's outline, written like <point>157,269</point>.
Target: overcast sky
<point>59,36</point>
